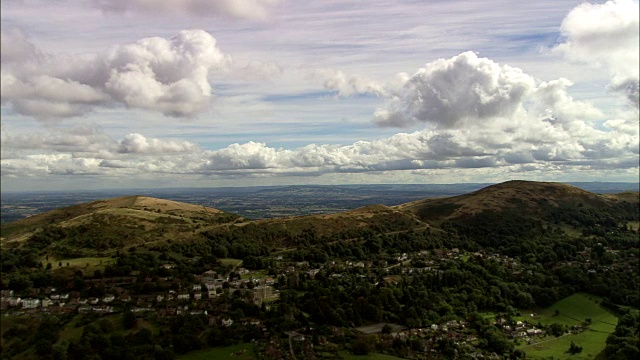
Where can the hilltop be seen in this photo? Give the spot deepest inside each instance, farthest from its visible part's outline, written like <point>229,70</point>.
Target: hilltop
<point>96,278</point>
<point>112,223</point>
<point>536,200</point>
<point>107,225</point>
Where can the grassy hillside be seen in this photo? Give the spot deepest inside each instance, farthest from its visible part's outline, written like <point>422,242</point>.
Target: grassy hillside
<point>572,311</point>
<point>99,228</point>
<point>540,200</point>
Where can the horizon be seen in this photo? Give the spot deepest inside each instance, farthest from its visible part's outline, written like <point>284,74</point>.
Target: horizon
<point>483,184</point>
<point>134,94</point>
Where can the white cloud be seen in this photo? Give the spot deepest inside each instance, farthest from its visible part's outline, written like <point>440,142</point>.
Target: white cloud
<point>467,91</point>
<point>348,84</point>
<point>138,144</point>
<point>606,35</point>
<point>166,75</point>
<point>245,9</point>
<point>552,98</point>
<point>541,143</point>
<point>450,93</point>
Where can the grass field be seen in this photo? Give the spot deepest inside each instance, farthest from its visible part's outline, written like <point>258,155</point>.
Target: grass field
<point>260,274</point>
<point>86,263</point>
<point>235,352</point>
<point>349,356</point>
<point>229,261</point>
<point>573,310</point>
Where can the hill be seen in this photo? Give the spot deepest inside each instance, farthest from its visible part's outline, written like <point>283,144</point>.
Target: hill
<point>546,201</point>
<point>536,199</point>
<point>114,223</point>
<point>519,206</point>
<point>157,278</point>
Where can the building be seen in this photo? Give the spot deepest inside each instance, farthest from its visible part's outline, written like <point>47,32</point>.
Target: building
<point>30,303</point>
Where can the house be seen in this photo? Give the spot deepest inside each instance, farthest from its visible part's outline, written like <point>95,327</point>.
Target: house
<point>197,296</point>
<point>184,296</point>
<point>108,298</point>
<point>102,309</point>
<point>30,303</point>
<point>196,287</point>
<point>227,322</point>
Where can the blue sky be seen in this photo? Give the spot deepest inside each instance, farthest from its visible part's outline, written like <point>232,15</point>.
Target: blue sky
<point>116,94</point>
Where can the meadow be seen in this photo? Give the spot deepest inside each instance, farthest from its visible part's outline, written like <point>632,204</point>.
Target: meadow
<point>572,311</point>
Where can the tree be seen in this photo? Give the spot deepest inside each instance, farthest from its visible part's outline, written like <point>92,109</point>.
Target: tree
<point>386,329</point>
<point>574,349</point>
<point>556,329</point>
<point>361,346</point>
<point>128,319</point>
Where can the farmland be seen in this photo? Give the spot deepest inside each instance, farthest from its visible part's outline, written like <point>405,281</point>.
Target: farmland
<point>573,311</point>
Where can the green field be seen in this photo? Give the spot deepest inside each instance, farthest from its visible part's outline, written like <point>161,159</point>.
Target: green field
<point>229,261</point>
<point>349,356</point>
<point>573,310</point>
<point>235,352</point>
<point>86,263</point>
<point>260,274</point>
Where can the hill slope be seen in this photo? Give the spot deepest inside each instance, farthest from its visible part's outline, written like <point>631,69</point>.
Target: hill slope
<point>538,200</point>
<point>108,225</point>
<point>116,222</point>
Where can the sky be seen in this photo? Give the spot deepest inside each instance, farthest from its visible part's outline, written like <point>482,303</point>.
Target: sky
<point>107,94</point>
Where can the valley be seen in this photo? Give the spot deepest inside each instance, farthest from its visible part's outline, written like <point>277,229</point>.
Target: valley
<point>474,275</point>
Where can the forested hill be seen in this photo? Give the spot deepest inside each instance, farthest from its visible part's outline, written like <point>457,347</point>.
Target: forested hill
<point>536,200</point>
<point>456,277</point>
<point>520,207</point>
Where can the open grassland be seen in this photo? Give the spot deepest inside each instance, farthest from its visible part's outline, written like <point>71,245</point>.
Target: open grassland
<point>87,264</point>
<point>232,262</point>
<point>235,352</point>
<point>592,343</point>
<point>73,330</point>
<point>572,311</point>
<point>260,274</point>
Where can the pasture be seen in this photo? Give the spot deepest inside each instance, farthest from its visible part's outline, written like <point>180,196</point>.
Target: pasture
<point>572,311</point>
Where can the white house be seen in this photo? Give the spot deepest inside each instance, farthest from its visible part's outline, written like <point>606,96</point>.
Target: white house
<point>30,303</point>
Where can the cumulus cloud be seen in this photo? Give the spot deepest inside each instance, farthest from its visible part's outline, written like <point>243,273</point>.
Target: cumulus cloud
<point>348,84</point>
<point>259,71</point>
<point>244,9</point>
<point>606,35</point>
<point>451,92</point>
<point>426,149</point>
<point>539,145</point>
<point>467,91</point>
<point>166,75</point>
<point>138,144</point>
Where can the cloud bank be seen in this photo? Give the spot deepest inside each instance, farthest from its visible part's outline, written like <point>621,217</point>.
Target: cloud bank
<point>606,36</point>
<point>157,74</point>
<point>469,91</point>
<point>243,9</point>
